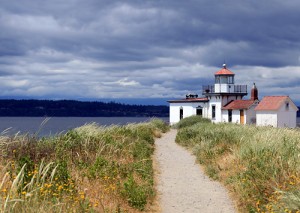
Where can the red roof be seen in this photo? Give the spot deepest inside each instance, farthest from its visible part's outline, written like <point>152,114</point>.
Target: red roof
<point>239,104</point>
<point>187,100</point>
<point>272,102</point>
<point>224,71</point>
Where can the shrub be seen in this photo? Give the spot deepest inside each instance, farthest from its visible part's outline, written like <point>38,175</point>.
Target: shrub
<point>189,121</point>
<point>135,194</point>
<point>160,125</point>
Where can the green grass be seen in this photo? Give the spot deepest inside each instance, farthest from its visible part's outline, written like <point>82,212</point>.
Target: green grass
<point>260,165</point>
<point>191,121</point>
<point>88,169</point>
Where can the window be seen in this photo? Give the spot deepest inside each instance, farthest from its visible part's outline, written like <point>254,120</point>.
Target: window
<point>213,111</point>
<point>229,115</point>
<point>199,111</point>
<point>181,113</point>
<point>224,80</point>
<point>287,106</point>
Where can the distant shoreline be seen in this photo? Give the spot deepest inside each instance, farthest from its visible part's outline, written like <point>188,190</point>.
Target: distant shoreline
<point>72,108</point>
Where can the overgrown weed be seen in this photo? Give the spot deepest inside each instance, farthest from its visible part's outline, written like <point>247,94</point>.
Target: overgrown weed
<point>88,169</point>
<point>260,165</point>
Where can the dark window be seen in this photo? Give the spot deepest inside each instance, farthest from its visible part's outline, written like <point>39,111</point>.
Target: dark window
<point>213,111</point>
<point>287,106</point>
<point>230,80</point>
<point>181,113</point>
<point>229,115</point>
<point>199,111</point>
<point>224,80</point>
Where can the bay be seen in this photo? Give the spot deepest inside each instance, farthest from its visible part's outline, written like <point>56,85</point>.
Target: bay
<point>42,126</point>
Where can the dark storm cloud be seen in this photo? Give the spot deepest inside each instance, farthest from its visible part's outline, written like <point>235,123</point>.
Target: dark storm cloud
<point>93,48</point>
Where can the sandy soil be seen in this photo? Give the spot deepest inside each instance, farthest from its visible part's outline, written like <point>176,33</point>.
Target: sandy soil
<point>182,185</point>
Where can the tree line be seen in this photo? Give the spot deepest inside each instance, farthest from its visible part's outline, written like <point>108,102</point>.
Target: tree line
<point>72,108</point>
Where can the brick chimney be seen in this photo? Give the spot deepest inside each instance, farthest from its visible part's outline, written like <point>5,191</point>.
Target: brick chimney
<point>254,93</point>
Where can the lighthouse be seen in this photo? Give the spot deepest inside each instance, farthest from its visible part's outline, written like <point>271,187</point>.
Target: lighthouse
<point>224,80</point>
<point>222,92</point>
<point>223,102</point>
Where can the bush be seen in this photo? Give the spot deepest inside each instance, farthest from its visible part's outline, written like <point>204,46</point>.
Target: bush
<point>135,194</point>
<point>160,125</point>
<point>189,121</point>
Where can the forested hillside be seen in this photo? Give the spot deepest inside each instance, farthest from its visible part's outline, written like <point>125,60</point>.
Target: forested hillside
<point>68,108</point>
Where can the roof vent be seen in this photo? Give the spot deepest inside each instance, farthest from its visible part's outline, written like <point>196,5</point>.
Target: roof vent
<point>188,96</point>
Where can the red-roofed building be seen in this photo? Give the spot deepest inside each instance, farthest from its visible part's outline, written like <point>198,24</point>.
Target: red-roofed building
<point>277,111</point>
<point>223,102</point>
<point>240,111</point>
<point>214,98</point>
<point>238,104</point>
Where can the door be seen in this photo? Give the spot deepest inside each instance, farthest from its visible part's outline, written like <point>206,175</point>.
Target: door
<point>242,117</point>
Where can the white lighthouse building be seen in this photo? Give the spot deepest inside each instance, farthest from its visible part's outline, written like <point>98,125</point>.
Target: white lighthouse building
<point>221,102</point>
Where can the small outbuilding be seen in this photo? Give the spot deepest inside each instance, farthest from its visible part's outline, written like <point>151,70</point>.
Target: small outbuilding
<point>189,106</point>
<point>240,111</point>
<point>277,111</point>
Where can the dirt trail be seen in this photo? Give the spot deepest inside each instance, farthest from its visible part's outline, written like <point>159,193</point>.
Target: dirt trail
<point>182,185</point>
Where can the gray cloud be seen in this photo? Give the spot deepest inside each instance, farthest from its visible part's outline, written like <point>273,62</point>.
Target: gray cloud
<point>122,49</point>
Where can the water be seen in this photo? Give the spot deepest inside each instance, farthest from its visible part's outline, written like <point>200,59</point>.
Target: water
<point>54,125</point>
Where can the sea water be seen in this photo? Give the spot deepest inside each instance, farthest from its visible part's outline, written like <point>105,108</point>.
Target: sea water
<point>42,126</point>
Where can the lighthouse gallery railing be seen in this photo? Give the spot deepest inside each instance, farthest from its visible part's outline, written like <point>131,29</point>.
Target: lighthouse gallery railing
<point>236,89</point>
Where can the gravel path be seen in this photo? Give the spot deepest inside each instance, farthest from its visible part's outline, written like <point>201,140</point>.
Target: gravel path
<point>181,184</point>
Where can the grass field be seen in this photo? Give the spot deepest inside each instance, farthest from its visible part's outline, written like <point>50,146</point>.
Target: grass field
<point>259,165</point>
<point>88,169</point>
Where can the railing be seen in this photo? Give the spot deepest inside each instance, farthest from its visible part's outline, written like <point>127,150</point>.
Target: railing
<point>207,89</point>
<point>240,88</point>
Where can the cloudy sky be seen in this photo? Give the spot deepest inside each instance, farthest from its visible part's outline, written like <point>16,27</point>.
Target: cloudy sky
<point>99,49</point>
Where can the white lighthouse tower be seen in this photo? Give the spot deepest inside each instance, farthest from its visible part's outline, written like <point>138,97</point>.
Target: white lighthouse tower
<point>222,92</point>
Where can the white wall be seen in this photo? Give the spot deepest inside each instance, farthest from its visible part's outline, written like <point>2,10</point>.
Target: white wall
<point>266,118</point>
<point>224,88</point>
<point>287,117</point>
<point>236,116</point>
<point>224,115</point>
<point>217,101</point>
<point>189,109</point>
<point>250,115</point>
<point>283,117</point>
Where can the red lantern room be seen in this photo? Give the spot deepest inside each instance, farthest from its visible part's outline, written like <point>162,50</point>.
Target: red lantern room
<point>224,76</point>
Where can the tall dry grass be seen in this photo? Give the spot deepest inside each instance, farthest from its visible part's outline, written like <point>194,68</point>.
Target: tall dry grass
<point>88,169</point>
<point>260,165</point>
